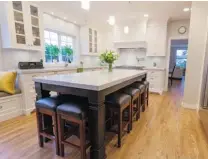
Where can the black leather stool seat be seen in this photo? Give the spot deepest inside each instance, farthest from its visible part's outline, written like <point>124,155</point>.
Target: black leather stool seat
<point>49,102</point>
<point>77,109</point>
<point>140,86</point>
<point>131,91</point>
<point>146,83</point>
<point>117,99</point>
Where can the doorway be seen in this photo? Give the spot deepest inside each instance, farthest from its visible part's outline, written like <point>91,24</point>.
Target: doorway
<point>177,64</point>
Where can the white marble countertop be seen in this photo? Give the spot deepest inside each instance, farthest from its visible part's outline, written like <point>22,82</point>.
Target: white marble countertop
<point>51,69</point>
<point>96,80</point>
<point>154,68</point>
<point>139,67</point>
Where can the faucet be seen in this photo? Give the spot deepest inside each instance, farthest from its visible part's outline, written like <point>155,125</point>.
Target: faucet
<point>66,64</point>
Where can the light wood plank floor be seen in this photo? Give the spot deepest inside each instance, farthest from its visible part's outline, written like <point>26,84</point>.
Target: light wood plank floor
<point>165,131</point>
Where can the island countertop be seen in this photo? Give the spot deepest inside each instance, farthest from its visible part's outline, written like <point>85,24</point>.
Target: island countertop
<point>96,80</point>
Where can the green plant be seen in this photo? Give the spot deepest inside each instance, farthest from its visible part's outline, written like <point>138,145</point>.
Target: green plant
<point>68,52</point>
<point>109,56</point>
<point>52,50</point>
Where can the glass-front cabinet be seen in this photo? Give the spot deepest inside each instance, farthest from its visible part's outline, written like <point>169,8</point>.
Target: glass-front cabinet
<point>21,25</point>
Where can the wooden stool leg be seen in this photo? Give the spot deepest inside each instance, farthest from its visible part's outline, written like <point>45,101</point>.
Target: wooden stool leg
<point>138,109</point>
<point>131,117</point>
<point>82,139</point>
<point>40,127</point>
<point>60,134</point>
<point>56,133</point>
<point>119,127</point>
<point>148,96</point>
<point>143,101</point>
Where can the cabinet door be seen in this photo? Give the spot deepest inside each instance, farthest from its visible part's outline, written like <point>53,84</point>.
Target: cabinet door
<point>18,19</point>
<point>34,27</point>
<point>156,40</point>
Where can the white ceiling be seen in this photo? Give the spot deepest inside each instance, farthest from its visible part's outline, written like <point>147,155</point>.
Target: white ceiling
<point>125,10</point>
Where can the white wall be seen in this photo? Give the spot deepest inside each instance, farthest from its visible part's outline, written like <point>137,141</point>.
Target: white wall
<point>172,33</point>
<point>196,54</point>
<point>173,27</point>
<point>55,24</point>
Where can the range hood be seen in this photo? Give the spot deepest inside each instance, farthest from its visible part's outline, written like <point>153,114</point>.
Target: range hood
<point>130,44</point>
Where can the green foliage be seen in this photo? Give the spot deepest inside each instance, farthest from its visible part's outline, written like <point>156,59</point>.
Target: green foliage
<point>52,50</point>
<point>66,50</point>
<point>109,56</point>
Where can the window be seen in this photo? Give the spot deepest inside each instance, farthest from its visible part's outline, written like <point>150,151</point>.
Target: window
<point>58,47</point>
<point>92,41</point>
<point>181,58</point>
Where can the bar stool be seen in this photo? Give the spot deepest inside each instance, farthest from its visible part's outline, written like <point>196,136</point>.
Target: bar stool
<point>73,111</point>
<point>135,95</point>
<point>117,103</point>
<point>141,87</point>
<point>146,83</point>
<point>46,119</point>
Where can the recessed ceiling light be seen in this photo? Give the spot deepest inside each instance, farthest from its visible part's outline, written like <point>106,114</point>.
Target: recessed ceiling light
<point>75,22</point>
<point>65,18</point>
<point>126,29</point>
<point>52,13</point>
<point>111,20</point>
<point>146,15</point>
<point>85,4</point>
<point>186,9</point>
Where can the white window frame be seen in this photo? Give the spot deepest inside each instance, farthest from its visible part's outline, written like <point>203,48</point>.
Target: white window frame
<point>59,44</point>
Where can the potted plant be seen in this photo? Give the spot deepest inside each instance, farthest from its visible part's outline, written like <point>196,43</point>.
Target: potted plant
<point>53,51</point>
<point>109,57</point>
<point>68,52</point>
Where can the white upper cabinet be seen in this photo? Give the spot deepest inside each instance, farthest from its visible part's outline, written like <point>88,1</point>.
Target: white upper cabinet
<point>89,40</point>
<point>21,25</point>
<point>156,39</point>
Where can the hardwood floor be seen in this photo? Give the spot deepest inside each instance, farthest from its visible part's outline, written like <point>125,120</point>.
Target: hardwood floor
<point>165,131</point>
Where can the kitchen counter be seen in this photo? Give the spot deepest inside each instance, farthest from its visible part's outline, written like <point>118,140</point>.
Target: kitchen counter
<point>154,68</point>
<point>139,67</point>
<point>51,69</point>
<point>87,80</point>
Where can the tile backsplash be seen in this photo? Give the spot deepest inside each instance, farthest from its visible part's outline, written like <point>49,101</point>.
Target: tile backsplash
<point>131,57</point>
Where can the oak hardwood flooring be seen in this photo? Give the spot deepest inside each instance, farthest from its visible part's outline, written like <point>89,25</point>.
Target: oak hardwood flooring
<point>164,131</point>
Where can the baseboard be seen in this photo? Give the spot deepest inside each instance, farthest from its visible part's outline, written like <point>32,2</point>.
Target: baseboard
<point>189,106</point>
<point>156,91</point>
<point>28,111</point>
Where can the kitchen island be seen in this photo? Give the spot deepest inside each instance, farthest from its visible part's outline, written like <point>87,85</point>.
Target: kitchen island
<point>95,86</point>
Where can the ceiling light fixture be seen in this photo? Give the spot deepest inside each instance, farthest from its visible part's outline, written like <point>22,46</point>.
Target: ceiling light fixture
<point>111,20</point>
<point>126,29</point>
<point>146,15</point>
<point>52,13</point>
<point>85,4</point>
<point>65,18</point>
<point>75,22</point>
<point>186,9</point>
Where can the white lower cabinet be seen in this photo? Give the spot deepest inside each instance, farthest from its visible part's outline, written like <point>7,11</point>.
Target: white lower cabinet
<point>156,79</point>
<point>27,87</point>
<point>10,107</point>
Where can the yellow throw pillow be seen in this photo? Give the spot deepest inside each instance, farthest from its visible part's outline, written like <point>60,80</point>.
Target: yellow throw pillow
<point>7,82</point>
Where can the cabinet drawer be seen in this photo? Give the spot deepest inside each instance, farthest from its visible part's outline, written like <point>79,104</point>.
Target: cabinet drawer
<point>8,105</point>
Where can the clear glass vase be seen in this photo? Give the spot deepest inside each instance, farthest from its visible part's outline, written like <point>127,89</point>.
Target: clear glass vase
<point>110,67</point>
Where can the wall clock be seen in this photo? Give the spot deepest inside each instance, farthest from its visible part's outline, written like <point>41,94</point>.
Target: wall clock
<point>182,30</point>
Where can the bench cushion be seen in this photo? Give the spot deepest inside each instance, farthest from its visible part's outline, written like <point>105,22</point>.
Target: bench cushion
<point>4,94</point>
<point>131,91</point>
<point>49,102</point>
<point>117,99</point>
<point>75,108</point>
